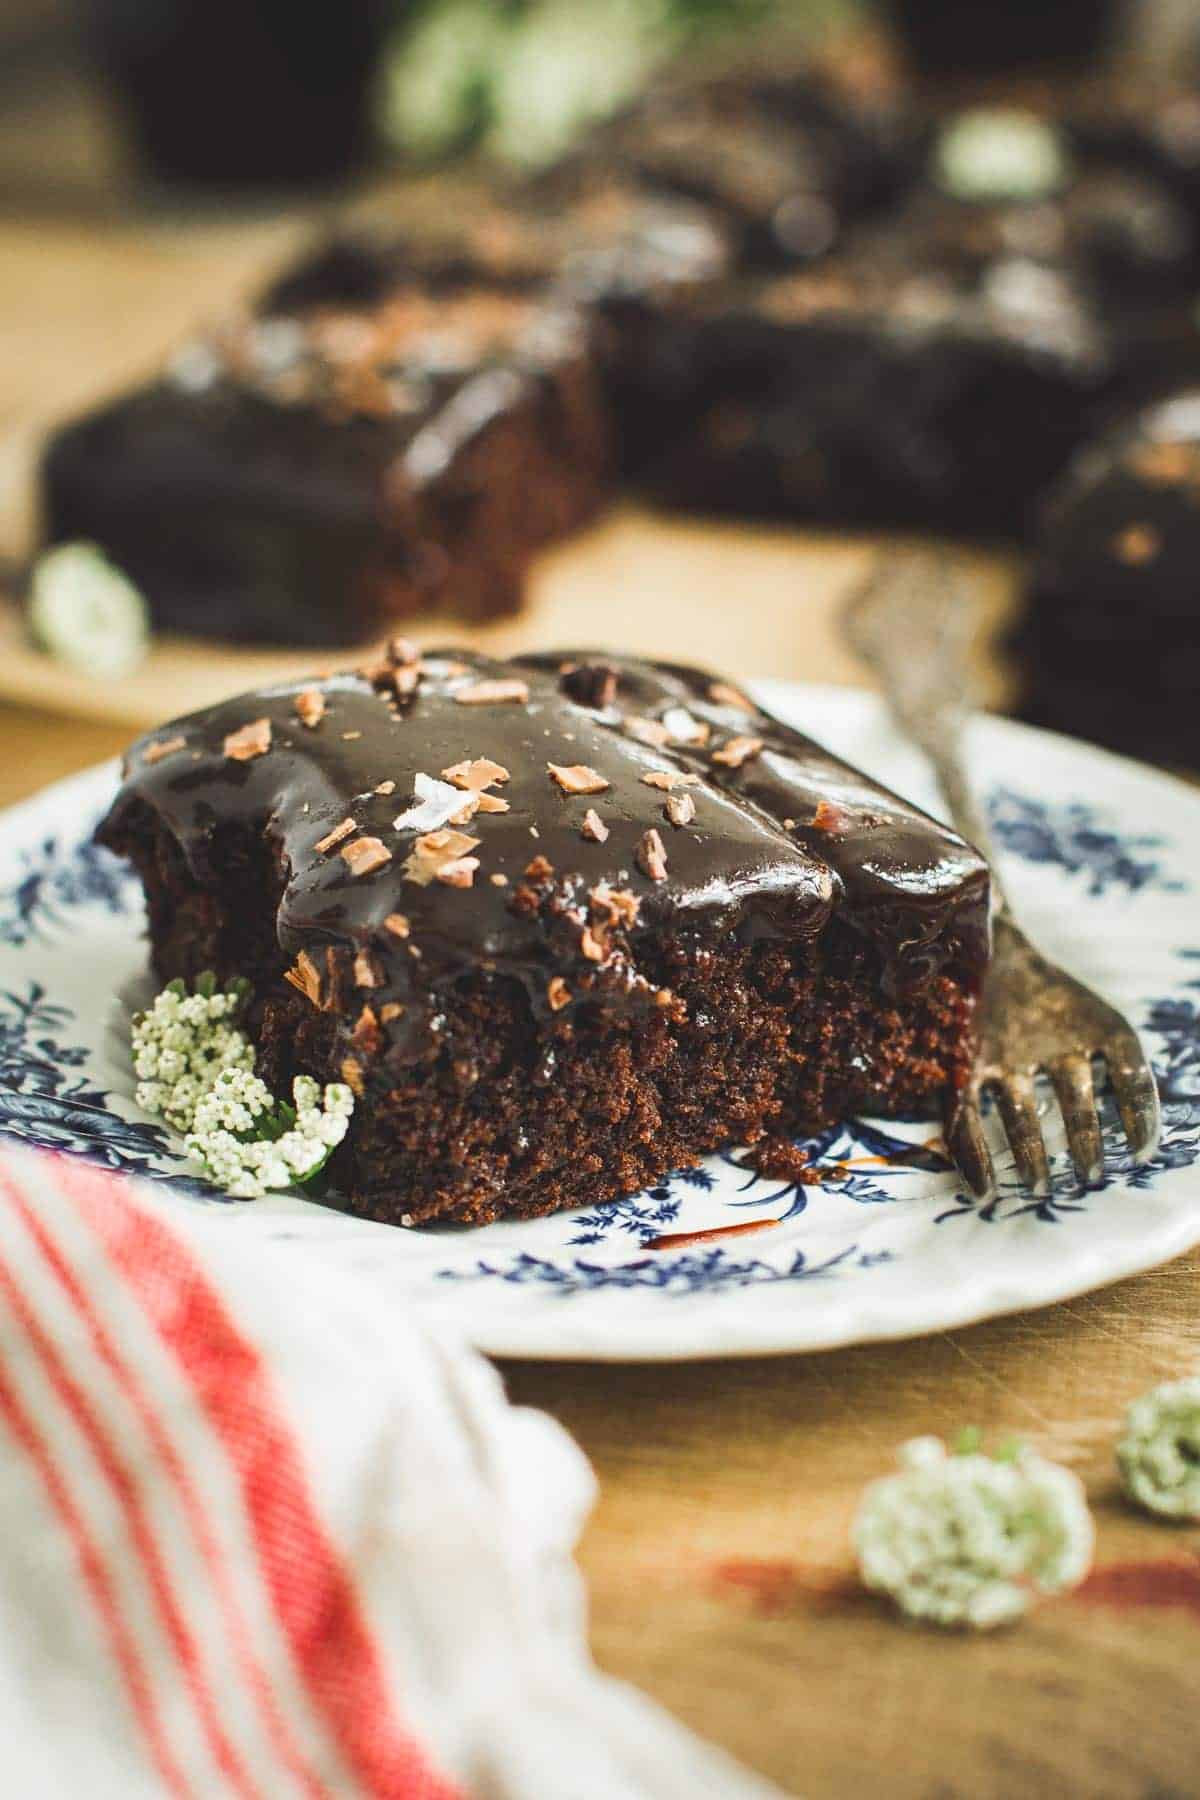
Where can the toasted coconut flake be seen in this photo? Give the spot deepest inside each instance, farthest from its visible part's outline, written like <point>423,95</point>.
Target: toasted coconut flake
<point>352,1075</point>
<point>397,924</point>
<point>617,905</point>
<point>666,779</point>
<point>365,855</point>
<point>592,945</point>
<point>333,838</point>
<point>435,805</point>
<point>647,731</point>
<point>459,872</point>
<point>724,695</point>
<point>435,851</point>
<point>350,736</point>
<point>652,855</point>
<point>446,843</point>
<point>557,993</point>
<point>310,707</point>
<point>498,880</point>
<point>680,809</point>
<point>386,787</point>
<point>1137,544</point>
<point>161,747</point>
<point>831,817</point>
<point>493,693</point>
<point>305,975</point>
<point>684,729</point>
<point>403,651</point>
<point>366,970</point>
<point>391,1009</point>
<point>593,827</point>
<point>737,750</point>
<point>477,773</point>
<point>491,803</point>
<point>467,811</point>
<point>250,741</point>
<point>578,778</point>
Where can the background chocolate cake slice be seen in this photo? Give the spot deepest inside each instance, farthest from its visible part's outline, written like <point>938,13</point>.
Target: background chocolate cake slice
<point>1109,644</point>
<point>563,923</point>
<point>405,439</point>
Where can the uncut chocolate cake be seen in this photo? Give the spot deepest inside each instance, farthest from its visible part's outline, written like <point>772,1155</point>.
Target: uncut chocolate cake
<point>1109,646</point>
<point>563,923</point>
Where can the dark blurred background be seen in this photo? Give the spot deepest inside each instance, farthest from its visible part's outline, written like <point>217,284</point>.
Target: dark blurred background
<point>106,101</point>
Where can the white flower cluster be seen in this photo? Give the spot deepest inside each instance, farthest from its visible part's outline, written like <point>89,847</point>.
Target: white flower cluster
<point>195,1069</point>
<point>968,1539</point>
<point>228,1133</point>
<point>1159,1454</point>
<point>182,1045</point>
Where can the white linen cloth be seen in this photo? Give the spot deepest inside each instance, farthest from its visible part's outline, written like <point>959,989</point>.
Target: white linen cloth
<point>264,1537</point>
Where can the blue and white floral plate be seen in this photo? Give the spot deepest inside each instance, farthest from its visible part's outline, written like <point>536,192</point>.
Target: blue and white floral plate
<point>1103,859</point>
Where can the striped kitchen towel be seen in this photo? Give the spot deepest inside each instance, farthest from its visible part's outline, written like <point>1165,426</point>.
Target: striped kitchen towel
<point>262,1537</point>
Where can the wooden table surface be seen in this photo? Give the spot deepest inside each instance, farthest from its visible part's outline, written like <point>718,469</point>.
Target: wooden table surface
<point>717,1558</point>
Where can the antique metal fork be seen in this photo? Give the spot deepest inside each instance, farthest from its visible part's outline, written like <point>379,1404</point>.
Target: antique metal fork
<point>912,620</point>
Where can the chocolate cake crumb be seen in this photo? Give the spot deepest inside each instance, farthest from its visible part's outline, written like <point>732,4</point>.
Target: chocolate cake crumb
<point>249,741</point>
<point>781,1159</point>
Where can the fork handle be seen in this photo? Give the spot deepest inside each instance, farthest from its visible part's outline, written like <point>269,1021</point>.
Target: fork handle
<point>913,622</point>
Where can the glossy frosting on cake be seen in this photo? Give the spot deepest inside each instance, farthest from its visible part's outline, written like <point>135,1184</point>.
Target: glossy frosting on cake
<point>540,818</point>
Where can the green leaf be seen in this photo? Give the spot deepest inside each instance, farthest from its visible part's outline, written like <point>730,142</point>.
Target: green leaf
<point>206,984</point>
<point>969,1441</point>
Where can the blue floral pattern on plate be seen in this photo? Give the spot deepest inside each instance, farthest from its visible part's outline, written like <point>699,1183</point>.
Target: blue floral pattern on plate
<point>882,1240</point>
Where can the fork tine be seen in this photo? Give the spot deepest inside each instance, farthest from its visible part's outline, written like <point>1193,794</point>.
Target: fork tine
<point>1137,1096</point>
<point>1018,1110</point>
<point>1072,1078</point>
<point>968,1146</point>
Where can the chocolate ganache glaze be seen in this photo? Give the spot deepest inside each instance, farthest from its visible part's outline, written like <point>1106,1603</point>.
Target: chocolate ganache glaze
<point>450,814</point>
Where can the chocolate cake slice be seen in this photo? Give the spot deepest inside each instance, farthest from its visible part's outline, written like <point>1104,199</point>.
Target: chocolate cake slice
<point>404,439</point>
<point>1109,646</point>
<point>563,923</point>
